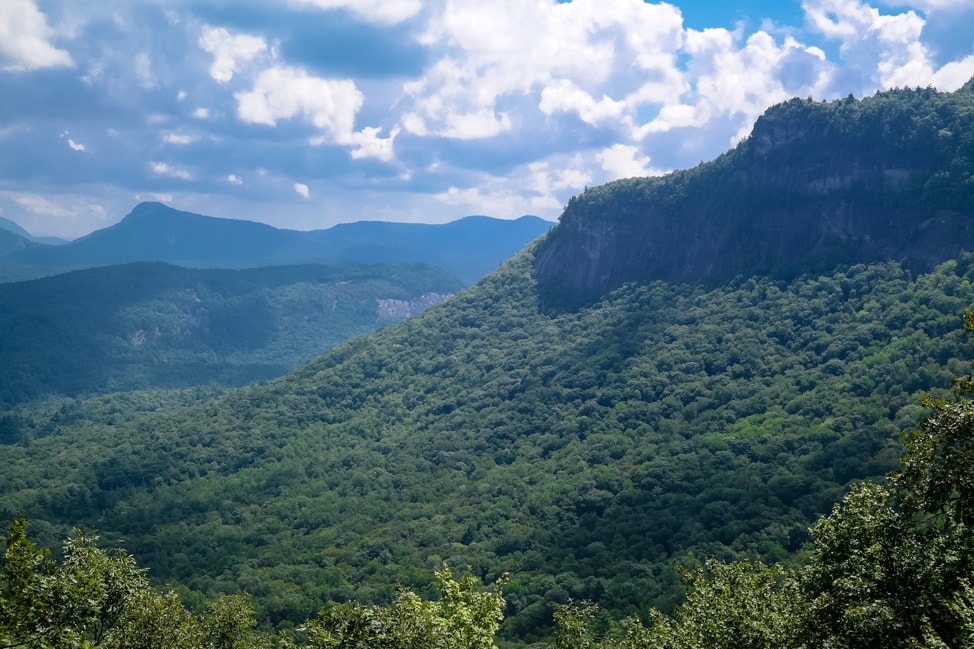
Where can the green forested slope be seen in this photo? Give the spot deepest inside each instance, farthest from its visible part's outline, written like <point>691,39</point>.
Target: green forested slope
<point>142,326</point>
<point>585,453</point>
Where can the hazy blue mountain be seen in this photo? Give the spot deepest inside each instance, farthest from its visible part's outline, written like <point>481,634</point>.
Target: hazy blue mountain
<point>734,366</point>
<point>470,247</point>
<point>10,226</point>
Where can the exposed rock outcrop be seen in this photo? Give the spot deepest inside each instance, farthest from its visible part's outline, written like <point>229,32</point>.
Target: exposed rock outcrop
<point>816,185</point>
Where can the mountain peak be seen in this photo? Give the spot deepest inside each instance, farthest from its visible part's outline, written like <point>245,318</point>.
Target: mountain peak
<point>817,185</point>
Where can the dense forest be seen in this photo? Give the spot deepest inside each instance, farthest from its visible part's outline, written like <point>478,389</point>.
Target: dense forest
<point>610,443</point>
<point>151,325</point>
<point>661,444</point>
<point>889,567</point>
<point>816,185</point>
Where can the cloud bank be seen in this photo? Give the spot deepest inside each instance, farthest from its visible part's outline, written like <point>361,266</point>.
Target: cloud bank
<point>321,111</point>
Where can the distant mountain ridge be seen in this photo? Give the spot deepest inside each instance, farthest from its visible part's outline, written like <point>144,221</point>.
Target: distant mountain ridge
<point>816,186</point>
<point>588,452</point>
<point>470,247</point>
<point>10,226</point>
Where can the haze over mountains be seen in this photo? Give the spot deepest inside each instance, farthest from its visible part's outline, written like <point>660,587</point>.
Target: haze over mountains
<point>690,366</point>
<point>469,247</point>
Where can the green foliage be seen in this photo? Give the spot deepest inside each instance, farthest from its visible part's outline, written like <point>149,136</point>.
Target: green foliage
<point>143,326</point>
<point>77,603</point>
<point>99,598</point>
<point>462,618</point>
<point>889,567</point>
<point>816,186</point>
<point>584,453</point>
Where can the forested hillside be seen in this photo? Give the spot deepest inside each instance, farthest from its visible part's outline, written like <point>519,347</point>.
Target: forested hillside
<point>589,439</point>
<point>145,326</point>
<point>816,185</point>
<point>585,453</point>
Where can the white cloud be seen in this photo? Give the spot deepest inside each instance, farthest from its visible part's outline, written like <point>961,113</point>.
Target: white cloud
<point>229,51</point>
<point>75,146</point>
<point>384,12</point>
<point>65,215</point>
<point>886,48</point>
<point>370,145</point>
<point>201,113</point>
<point>154,196</point>
<point>25,38</point>
<point>560,56</point>
<point>179,139</point>
<point>234,179</point>
<point>165,169</point>
<point>42,205</point>
<point>302,190</point>
<point>286,93</point>
<point>625,161</point>
<point>955,74</point>
<point>564,95</point>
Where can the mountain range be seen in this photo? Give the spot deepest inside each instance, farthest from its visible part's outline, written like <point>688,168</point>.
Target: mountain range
<point>469,247</point>
<point>696,365</point>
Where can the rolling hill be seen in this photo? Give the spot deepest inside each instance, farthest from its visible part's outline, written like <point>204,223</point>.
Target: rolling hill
<point>153,325</point>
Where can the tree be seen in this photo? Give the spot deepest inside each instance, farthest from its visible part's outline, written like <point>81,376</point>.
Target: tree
<point>79,602</point>
<point>463,618</point>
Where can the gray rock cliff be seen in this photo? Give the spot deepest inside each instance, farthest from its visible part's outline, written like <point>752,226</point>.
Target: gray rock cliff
<point>815,186</point>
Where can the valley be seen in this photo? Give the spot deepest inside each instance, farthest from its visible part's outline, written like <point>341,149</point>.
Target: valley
<point>691,367</point>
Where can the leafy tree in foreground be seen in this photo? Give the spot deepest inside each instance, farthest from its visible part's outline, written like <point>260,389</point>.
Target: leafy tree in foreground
<point>462,618</point>
<point>99,598</point>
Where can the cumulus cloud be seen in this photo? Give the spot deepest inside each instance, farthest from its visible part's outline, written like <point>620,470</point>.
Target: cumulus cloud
<point>625,161</point>
<point>955,74</point>
<point>564,95</point>
<point>369,145</point>
<point>282,93</point>
<point>885,48</point>
<point>383,12</point>
<point>506,107</point>
<point>25,38</point>
<point>737,77</point>
<point>229,51</point>
<point>564,55</point>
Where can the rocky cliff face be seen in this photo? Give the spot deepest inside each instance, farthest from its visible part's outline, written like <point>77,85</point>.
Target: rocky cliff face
<point>816,185</point>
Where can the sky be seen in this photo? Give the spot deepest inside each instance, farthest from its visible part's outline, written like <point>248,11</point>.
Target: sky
<point>307,113</point>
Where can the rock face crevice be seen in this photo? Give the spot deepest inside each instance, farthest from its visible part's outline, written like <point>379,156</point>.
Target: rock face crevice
<point>816,185</point>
